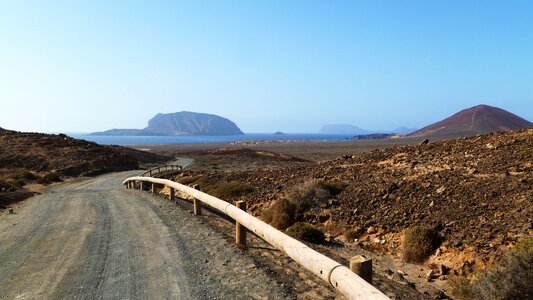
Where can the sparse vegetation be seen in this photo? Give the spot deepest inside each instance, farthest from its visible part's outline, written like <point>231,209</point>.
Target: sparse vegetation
<point>334,188</point>
<point>419,243</point>
<point>284,212</point>
<point>353,234</point>
<point>48,179</point>
<point>188,179</point>
<point>218,188</point>
<point>227,190</point>
<point>306,232</point>
<point>308,195</point>
<point>511,277</point>
<point>281,214</point>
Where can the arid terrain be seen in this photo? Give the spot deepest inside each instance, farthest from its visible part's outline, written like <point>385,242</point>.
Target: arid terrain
<point>476,192</point>
<point>30,160</point>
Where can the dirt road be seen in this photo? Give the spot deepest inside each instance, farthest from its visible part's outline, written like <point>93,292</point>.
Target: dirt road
<point>93,239</point>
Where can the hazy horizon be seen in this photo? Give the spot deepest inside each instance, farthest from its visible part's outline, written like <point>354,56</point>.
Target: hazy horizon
<point>268,66</point>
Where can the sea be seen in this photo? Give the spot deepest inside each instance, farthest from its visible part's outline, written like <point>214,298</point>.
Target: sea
<point>201,139</point>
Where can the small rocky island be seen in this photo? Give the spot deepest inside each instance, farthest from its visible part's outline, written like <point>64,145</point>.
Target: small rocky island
<point>181,123</point>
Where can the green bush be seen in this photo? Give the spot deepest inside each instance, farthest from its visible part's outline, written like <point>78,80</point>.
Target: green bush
<point>419,243</point>
<point>306,232</point>
<point>511,277</point>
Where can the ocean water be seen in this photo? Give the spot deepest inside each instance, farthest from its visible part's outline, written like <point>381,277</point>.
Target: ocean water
<point>200,139</point>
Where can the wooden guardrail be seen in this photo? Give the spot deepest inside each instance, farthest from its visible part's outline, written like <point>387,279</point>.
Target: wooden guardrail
<point>156,170</point>
<point>338,276</point>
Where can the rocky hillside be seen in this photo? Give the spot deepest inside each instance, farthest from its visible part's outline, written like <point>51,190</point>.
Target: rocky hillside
<point>476,192</point>
<point>182,123</point>
<point>42,158</point>
<point>475,120</point>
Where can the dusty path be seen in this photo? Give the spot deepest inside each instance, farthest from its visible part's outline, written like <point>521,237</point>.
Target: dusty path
<point>93,239</point>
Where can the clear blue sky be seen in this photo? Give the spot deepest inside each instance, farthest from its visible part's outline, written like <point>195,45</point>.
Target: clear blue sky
<point>80,66</point>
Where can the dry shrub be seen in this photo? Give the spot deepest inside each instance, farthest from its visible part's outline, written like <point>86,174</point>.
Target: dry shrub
<point>188,179</point>
<point>354,233</point>
<point>511,277</point>
<point>284,212</point>
<point>48,179</point>
<point>228,190</point>
<point>217,187</point>
<point>419,243</point>
<point>13,182</point>
<point>281,214</point>
<point>308,195</point>
<point>23,174</point>
<point>333,188</point>
<point>306,232</point>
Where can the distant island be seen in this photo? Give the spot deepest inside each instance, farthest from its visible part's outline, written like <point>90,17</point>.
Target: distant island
<point>181,123</point>
<point>357,131</point>
<point>343,129</point>
<point>279,133</point>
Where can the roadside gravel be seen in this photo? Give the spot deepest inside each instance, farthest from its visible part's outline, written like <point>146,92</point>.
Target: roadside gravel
<point>92,239</point>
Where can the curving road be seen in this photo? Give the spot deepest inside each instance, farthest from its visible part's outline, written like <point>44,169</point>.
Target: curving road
<point>93,239</point>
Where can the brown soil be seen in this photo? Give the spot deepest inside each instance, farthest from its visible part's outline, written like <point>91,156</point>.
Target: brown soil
<point>476,192</point>
<point>44,158</point>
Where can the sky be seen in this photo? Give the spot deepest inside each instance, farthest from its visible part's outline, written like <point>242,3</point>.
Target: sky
<point>292,66</point>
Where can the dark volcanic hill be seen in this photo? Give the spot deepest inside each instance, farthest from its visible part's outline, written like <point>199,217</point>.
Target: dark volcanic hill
<point>44,158</point>
<point>182,123</point>
<point>66,156</point>
<point>472,121</point>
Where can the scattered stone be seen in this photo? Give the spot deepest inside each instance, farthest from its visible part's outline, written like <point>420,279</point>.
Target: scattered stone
<point>371,230</point>
<point>430,275</point>
<point>398,277</point>
<point>443,270</point>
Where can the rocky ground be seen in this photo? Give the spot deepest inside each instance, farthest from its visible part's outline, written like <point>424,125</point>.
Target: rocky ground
<point>91,238</point>
<point>27,158</point>
<point>476,192</point>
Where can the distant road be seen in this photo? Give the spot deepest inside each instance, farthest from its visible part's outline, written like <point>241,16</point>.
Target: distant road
<point>184,161</point>
<point>93,239</point>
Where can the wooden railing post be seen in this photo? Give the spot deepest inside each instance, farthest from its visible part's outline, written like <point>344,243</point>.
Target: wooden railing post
<point>240,231</point>
<point>153,188</point>
<point>171,194</point>
<point>197,207</point>
<point>141,185</point>
<point>353,282</point>
<point>362,266</point>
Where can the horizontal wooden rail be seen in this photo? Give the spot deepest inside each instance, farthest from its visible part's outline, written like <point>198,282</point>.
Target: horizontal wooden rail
<point>160,169</point>
<point>339,276</point>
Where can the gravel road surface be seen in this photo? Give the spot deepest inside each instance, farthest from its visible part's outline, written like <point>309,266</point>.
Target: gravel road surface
<point>93,239</point>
